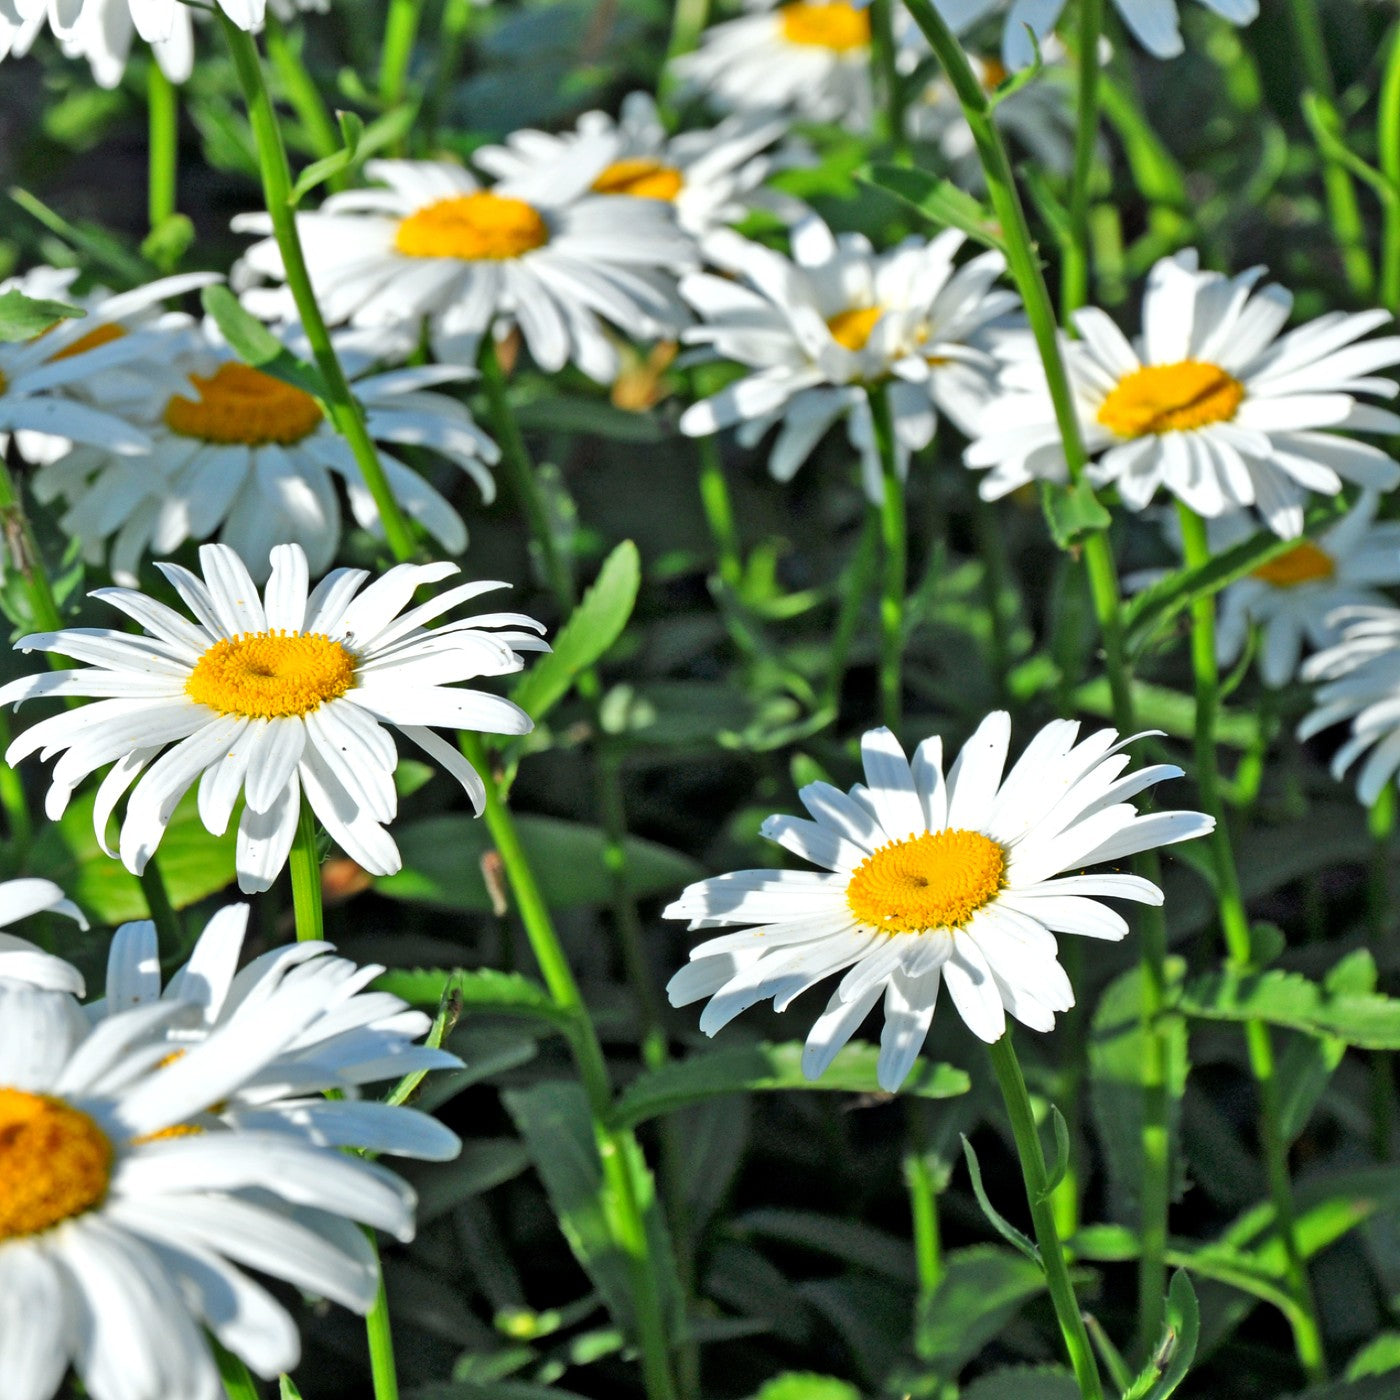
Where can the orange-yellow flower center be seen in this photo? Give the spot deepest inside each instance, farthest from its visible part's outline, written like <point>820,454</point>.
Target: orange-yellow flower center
<point>55,1162</point>
<point>240,404</point>
<point>852,328</point>
<point>102,334</point>
<point>641,178</point>
<point>479,227</point>
<point>839,26</point>
<point>267,675</point>
<point>935,880</point>
<point>1171,399</point>
<point>994,74</point>
<point>1304,563</point>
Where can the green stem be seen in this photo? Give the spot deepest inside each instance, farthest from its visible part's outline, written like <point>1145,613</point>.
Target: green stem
<point>893,564</point>
<point>1343,211</point>
<point>400,34</point>
<point>304,95</point>
<point>1052,1254</point>
<point>452,37</point>
<point>163,141</point>
<point>238,1383</point>
<point>382,1370</point>
<point>304,863</point>
<point>162,912</point>
<point>345,412</point>
<point>857,580</point>
<point>1234,920</point>
<point>688,20</point>
<point>617,1148</point>
<point>991,543</point>
<point>19,823</point>
<point>1074,270</point>
<point>719,513</point>
<point>890,118</point>
<point>1388,147</point>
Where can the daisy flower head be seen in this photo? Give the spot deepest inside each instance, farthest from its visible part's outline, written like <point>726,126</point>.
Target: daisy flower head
<point>709,177</point>
<point>819,330</point>
<point>23,962</point>
<point>272,698</point>
<point>1210,402</point>
<point>927,880</point>
<point>129,1211</point>
<point>541,252</point>
<point>252,459</point>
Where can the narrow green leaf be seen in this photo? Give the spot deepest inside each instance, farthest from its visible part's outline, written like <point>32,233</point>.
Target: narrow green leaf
<point>767,1068</point>
<point>255,344</point>
<point>998,1222</point>
<point>287,1389</point>
<point>1177,1349</point>
<point>482,991</point>
<point>22,317</point>
<point>937,199</point>
<point>98,246</point>
<point>804,1385</point>
<point>595,625</point>
<point>981,1290</point>
<point>1379,1357</point>
<point>484,1164</point>
<point>361,142</point>
<point>1072,512</point>
<point>1060,1165</point>
<point>853,1243</point>
<point>1168,710</point>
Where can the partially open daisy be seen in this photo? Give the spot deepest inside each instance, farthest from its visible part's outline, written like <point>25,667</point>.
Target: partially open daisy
<point>271,699</point>
<point>1209,403</point>
<point>543,253</point>
<point>127,1209</point>
<point>820,330</point>
<point>252,459</point>
<point>928,880</point>
<point>24,962</point>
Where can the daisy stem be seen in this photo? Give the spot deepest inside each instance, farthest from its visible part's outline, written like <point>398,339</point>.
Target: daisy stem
<point>854,588</point>
<point>400,34</point>
<point>885,53</point>
<point>452,34</point>
<point>1052,1254</point>
<point>302,93</point>
<point>719,513</point>
<point>383,1373</point>
<point>894,563</point>
<point>1074,268</point>
<point>158,905</point>
<point>163,114</point>
<point>1388,144</point>
<point>304,862</point>
<point>345,413</point>
<point>688,20</point>
<point>1343,211</point>
<point>1234,920</point>
<point>617,1147</point>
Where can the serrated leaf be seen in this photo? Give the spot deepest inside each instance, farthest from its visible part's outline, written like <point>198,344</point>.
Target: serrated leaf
<point>805,1385</point>
<point>938,199</point>
<point>592,628</point>
<point>255,344</point>
<point>1072,512</point>
<point>442,863</point>
<point>481,990</point>
<point>767,1068</point>
<point>1177,1348</point>
<point>1024,1383</point>
<point>22,317</point>
<point>995,1218</point>
<point>980,1291</point>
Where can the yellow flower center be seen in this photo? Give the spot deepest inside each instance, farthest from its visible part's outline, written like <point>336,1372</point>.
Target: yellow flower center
<point>839,27</point>
<point>1171,399</point>
<point>4,383</point>
<point>852,328</point>
<point>55,1162</point>
<point>994,74</point>
<point>1301,564</point>
<point>240,404</point>
<point>936,880</point>
<point>267,675</point>
<point>641,178</point>
<point>480,227</point>
<point>99,335</point>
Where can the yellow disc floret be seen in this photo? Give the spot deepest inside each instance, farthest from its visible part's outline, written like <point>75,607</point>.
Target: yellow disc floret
<point>268,675</point>
<point>55,1163</point>
<point>479,227</point>
<point>852,328</point>
<point>840,27</point>
<point>1171,399</point>
<point>1304,563</point>
<point>103,334</point>
<point>239,404</point>
<point>939,879</point>
<point>641,178</point>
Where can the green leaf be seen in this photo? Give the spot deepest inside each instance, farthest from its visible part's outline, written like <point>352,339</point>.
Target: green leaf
<point>1304,1071</point>
<point>255,344</point>
<point>98,246</point>
<point>980,1291</point>
<point>995,1218</point>
<point>1060,1165</point>
<point>482,991</point>
<point>765,1068</point>
<point>857,1245</point>
<point>22,317</point>
<point>1173,713</point>
<point>1379,1357</point>
<point>1177,1349</point>
<point>484,1164</point>
<point>553,1120</point>
<point>442,858</point>
<point>1071,512</point>
<point>169,241</point>
<point>286,1389</point>
<point>592,628</point>
<point>937,199</point>
<point>804,1385</point>
<point>1024,1383</point>
<point>361,142</point>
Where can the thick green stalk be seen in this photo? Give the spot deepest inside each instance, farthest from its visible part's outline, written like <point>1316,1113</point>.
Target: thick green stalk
<point>168,930</point>
<point>304,95</point>
<point>383,1373</point>
<point>1234,920</point>
<point>893,563</point>
<point>400,34</point>
<point>1052,1254</point>
<point>884,52</point>
<point>1343,210</point>
<point>617,1148</point>
<point>162,146</point>
<point>1074,268</point>
<point>304,863</point>
<point>345,412</point>
<point>1388,147</point>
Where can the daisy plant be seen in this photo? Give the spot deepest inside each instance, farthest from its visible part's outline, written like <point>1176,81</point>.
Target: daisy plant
<point>929,879</point>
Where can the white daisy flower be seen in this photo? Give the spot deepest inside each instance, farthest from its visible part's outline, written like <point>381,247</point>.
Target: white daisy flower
<point>24,962</point>
<point>1210,402</point>
<point>253,459</point>
<point>128,1213</point>
<point>542,252</point>
<point>928,880</point>
<point>837,319</point>
<point>1360,678</point>
<point>710,178</point>
<point>352,1038</point>
<point>271,699</point>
